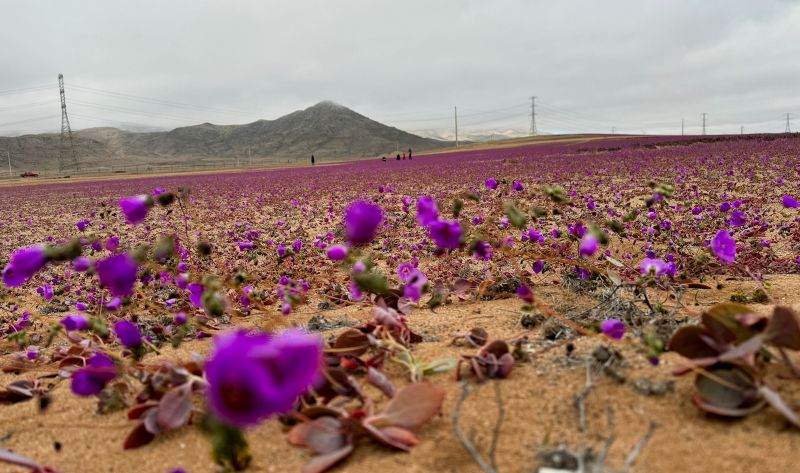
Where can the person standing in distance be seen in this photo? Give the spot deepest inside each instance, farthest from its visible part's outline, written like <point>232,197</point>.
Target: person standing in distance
<point>312,159</point>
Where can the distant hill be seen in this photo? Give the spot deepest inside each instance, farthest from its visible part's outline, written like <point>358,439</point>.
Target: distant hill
<point>328,130</point>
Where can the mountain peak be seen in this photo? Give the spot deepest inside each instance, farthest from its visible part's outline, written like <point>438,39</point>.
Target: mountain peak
<point>327,106</point>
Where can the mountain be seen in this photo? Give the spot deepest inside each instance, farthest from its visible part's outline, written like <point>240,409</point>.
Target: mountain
<point>328,130</point>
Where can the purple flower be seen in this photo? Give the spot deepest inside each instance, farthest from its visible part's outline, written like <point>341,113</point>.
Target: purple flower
<point>24,263</point>
<point>490,183</point>
<point>724,246</point>
<point>446,234</point>
<point>654,267</point>
<point>180,318</point>
<point>789,202</point>
<point>525,293</point>
<point>482,251</point>
<point>613,328</point>
<point>135,208</point>
<point>128,333</point>
<point>361,221</point>
<point>589,245</point>
<point>196,294</point>
<point>114,304</point>
<point>538,266</point>
<point>337,253</point>
<point>415,285</point>
<point>427,212</point>
<point>737,219</point>
<point>118,274</point>
<point>112,244</point>
<point>296,246</point>
<point>91,379</point>
<point>74,322</point>
<point>724,207</point>
<point>405,270</point>
<point>517,186</point>
<point>271,370</point>
<point>81,224</point>
<point>81,264</point>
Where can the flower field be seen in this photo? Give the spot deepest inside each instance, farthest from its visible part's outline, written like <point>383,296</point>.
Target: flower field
<point>603,304</point>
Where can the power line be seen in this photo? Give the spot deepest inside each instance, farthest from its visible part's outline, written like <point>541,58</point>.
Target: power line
<point>156,101</point>
<point>25,90</point>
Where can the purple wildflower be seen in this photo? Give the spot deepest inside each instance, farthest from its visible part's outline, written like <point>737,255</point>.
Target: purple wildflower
<point>517,186</point>
<point>789,202</point>
<point>446,234</point>
<point>491,183</point>
<point>525,293</point>
<point>81,264</point>
<point>361,221</point>
<point>74,322</point>
<point>128,333</point>
<point>91,379</point>
<point>589,245</point>
<point>653,267</point>
<point>24,263</point>
<point>337,253</point>
<point>135,208</point>
<point>118,274</point>
<point>427,212</point>
<point>724,246</point>
<point>271,371</point>
<point>613,328</point>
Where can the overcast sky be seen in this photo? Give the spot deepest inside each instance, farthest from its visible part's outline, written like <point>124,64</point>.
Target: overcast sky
<point>639,66</point>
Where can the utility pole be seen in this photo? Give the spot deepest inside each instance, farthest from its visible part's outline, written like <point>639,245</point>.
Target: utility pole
<point>704,123</point>
<point>788,123</point>
<point>613,130</point>
<point>741,130</point>
<point>455,110</point>
<point>681,126</point>
<point>533,116</point>
<point>250,156</point>
<point>8,155</point>
<point>66,132</point>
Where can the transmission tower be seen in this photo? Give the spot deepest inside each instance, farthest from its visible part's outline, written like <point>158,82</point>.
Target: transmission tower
<point>704,123</point>
<point>533,116</point>
<point>788,123</point>
<point>66,134</point>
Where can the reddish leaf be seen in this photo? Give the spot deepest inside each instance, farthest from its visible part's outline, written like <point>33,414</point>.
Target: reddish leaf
<point>380,381</point>
<point>322,435</point>
<point>150,421</point>
<point>139,410</point>
<point>697,285</point>
<point>351,338</point>
<point>394,437</point>
<point>721,321</point>
<point>138,437</point>
<point>411,407</point>
<point>321,463</point>
<point>776,401</point>
<point>727,387</point>
<point>174,409</point>
<point>722,411</point>
<point>688,341</point>
<point>783,329</point>
<point>7,456</point>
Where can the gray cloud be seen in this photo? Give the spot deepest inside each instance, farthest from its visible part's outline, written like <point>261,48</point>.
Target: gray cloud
<point>635,65</point>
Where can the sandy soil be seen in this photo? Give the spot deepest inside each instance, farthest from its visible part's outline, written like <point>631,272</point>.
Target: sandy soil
<point>538,399</point>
